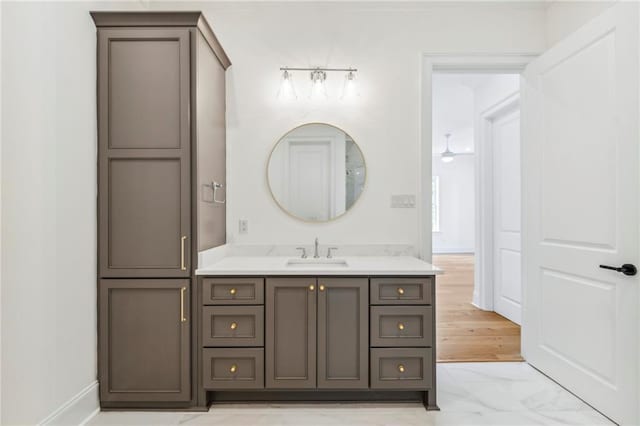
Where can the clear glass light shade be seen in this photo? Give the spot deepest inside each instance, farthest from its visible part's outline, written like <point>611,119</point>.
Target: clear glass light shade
<point>287,90</point>
<point>318,85</point>
<point>350,88</point>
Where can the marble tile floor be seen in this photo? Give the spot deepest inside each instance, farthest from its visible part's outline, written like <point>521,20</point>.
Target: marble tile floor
<point>495,393</point>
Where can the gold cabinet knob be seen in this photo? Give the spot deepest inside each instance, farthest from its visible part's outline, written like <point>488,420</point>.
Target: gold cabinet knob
<point>234,325</point>
<point>232,291</point>
<point>312,287</point>
<point>401,368</point>
<point>400,291</point>
<point>400,326</point>
<point>321,287</point>
<point>233,368</point>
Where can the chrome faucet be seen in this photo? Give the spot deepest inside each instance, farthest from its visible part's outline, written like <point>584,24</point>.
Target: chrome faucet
<point>315,251</point>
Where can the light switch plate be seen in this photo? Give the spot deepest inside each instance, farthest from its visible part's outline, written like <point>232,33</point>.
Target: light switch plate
<point>243,226</point>
<point>403,201</point>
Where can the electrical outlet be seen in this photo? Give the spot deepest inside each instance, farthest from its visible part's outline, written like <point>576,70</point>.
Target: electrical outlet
<point>243,226</point>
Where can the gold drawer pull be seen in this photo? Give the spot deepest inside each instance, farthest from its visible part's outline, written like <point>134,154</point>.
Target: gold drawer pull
<point>321,287</point>
<point>182,317</point>
<point>401,368</point>
<point>232,292</point>
<point>234,325</point>
<point>312,287</point>
<point>400,326</point>
<point>233,368</point>
<point>183,267</point>
<point>400,291</point>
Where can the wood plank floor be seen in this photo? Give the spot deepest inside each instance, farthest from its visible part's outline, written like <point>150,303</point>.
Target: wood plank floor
<point>464,332</point>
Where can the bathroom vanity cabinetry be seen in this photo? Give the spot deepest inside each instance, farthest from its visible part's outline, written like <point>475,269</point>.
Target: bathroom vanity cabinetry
<point>161,190</point>
<point>325,337</point>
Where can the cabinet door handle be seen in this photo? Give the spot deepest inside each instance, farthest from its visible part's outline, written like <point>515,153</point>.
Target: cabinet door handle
<point>182,317</point>
<point>312,287</point>
<point>400,291</point>
<point>183,267</point>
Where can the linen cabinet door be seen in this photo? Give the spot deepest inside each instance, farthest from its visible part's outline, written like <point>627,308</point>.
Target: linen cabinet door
<point>144,152</point>
<point>144,340</point>
<point>290,333</point>
<point>343,329</point>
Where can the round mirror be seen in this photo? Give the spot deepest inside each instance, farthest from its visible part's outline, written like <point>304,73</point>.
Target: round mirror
<point>316,172</point>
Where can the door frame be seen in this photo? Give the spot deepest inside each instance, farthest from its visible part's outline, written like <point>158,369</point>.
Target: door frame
<point>483,292</point>
<point>491,63</point>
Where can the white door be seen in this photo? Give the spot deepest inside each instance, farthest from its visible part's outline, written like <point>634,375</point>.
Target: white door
<point>507,289</point>
<point>580,210</point>
<point>310,189</point>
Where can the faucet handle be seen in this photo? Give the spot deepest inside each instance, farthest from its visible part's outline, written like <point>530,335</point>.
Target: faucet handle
<point>329,254</point>
<point>304,252</point>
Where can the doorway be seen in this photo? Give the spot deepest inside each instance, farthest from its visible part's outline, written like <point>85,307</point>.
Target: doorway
<point>476,215</point>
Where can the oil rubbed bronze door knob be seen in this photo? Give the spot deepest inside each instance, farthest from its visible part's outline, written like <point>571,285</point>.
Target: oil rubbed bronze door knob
<point>232,292</point>
<point>401,368</point>
<point>400,291</point>
<point>233,368</point>
<point>234,325</point>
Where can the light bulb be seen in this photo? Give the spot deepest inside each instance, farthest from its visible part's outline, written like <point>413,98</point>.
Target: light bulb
<point>318,87</point>
<point>287,90</point>
<point>349,91</point>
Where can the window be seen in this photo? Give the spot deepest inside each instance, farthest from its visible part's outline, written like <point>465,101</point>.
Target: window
<point>435,203</point>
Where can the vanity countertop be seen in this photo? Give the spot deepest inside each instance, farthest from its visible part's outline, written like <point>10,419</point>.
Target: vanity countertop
<point>355,265</point>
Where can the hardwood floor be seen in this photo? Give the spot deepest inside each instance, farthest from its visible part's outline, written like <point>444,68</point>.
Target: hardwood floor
<point>464,332</point>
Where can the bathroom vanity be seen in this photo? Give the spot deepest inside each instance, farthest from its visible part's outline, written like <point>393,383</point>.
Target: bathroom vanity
<point>346,329</point>
<point>176,331</point>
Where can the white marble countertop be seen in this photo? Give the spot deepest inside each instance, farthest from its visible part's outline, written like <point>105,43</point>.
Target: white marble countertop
<point>355,265</point>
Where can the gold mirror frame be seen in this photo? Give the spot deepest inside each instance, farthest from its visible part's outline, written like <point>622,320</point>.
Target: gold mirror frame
<point>273,197</point>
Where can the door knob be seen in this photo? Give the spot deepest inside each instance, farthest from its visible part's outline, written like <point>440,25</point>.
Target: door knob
<point>627,269</point>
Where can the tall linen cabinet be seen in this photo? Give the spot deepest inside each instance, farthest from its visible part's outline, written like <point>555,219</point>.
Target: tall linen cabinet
<point>161,194</point>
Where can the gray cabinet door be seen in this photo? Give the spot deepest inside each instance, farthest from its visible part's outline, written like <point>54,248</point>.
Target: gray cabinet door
<point>144,340</point>
<point>290,333</point>
<point>144,151</point>
<point>343,329</point>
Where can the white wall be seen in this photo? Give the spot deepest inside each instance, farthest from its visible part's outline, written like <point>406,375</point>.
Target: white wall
<point>385,41</point>
<point>565,16</point>
<point>48,210</point>
<point>457,209</point>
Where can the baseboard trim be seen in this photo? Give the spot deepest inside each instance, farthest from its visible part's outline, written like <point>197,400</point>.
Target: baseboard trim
<point>454,251</point>
<point>78,410</point>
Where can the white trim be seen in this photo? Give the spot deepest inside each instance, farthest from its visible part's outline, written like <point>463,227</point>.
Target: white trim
<point>78,410</point>
<point>447,62</point>
<point>484,238</point>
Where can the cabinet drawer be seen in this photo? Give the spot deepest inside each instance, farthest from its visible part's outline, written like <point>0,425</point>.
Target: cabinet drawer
<point>401,326</point>
<point>233,326</point>
<point>227,368</point>
<point>233,291</point>
<point>401,291</point>
<point>401,368</point>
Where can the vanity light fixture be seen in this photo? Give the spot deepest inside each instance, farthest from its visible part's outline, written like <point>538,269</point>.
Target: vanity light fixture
<point>350,90</point>
<point>318,86</point>
<point>318,76</point>
<point>287,90</point>
<point>447,155</point>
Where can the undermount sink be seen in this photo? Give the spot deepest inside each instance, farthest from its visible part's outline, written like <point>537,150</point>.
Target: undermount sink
<point>318,263</point>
